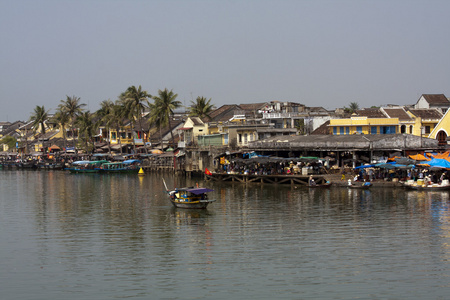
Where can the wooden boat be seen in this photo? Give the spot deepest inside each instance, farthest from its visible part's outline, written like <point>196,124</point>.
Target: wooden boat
<point>433,187</point>
<point>364,185</point>
<point>323,185</point>
<point>126,166</point>
<point>189,197</point>
<point>86,166</point>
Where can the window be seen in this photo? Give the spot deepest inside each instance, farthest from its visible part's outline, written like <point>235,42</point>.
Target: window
<point>427,129</point>
<point>359,129</point>
<point>411,129</point>
<point>373,130</point>
<point>335,130</point>
<point>347,130</point>
<point>245,138</point>
<point>341,130</point>
<point>113,135</point>
<point>239,138</point>
<point>387,130</point>
<point>392,130</point>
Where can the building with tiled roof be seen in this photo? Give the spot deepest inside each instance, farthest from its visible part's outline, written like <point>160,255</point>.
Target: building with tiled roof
<point>405,121</point>
<point>425,120</point>
<point>438,101</point>
<point>224,113</point>
<point>370,113</point>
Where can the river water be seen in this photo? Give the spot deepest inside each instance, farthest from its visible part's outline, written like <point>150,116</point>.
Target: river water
<point>66,236</point>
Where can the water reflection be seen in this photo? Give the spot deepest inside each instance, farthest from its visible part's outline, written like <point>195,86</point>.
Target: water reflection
<point>119,236</point>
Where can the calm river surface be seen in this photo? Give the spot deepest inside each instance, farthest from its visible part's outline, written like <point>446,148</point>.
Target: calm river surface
<point>82,236</point>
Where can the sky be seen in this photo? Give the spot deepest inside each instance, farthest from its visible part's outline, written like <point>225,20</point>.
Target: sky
<point>315,52</point>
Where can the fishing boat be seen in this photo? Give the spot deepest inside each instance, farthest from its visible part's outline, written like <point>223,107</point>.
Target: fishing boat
<point>364,185</point>
<point>425,185</point>
<point>323,185</point>
<point>126,166</point>
<point>312,183</point>
<point>86,166</point>
<point>434,187</point>
<point>189,197</point>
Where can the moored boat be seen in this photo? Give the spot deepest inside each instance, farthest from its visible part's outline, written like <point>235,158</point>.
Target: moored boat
<point>323,185</point>
<point>426,185</point>
<point>86,166</point>
<point>364,185</point>
<point>126,166</point>
<point>428,188</point>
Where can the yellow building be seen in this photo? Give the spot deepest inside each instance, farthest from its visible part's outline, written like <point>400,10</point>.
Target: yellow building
<point>441,130</point>
<point>191,129</point>
<point>364,125</point>
<point>425,121</point>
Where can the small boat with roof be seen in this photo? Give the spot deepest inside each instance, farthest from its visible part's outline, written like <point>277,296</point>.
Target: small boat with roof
<point>86,166</point>
<point>189,197</point>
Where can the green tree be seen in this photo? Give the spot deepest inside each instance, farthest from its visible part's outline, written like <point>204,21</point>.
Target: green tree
<point>162,110</point>
<point>105,115</point>
<point>300,126</point>
<point>38,119</point>
<point>201,108</point>
<point>116,120</point>
<point>62,119</point>
<point>72,107</point>
<point>136,101</point>
<point>352,108</point>
<point>9,141</point>
<point>87,127</point>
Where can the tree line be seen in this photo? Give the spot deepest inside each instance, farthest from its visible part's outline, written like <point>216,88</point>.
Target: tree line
<point>112,115</point>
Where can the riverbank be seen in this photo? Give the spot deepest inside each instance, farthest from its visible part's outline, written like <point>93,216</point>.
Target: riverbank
<point>336,180</point>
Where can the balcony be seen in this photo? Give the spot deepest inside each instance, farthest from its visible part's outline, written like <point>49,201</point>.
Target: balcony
<point>280,115</point>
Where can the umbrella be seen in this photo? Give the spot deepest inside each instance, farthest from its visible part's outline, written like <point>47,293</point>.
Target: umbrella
<point>54,147</point>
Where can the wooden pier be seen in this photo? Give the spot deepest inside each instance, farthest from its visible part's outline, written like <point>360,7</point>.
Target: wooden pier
<point>269,179</point>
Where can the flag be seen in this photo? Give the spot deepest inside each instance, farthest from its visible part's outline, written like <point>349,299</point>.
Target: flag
<point>207,172</point>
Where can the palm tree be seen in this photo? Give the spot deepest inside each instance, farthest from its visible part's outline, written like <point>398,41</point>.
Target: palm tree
<point>72,107</point>
<point>87,126</point>
<point>135,100</point>
<point>201,108</point>
<point>104,115</point>
<point>162,109</point>
<point>353,107</point>
<point>38,119</point>
<point>62,119</point>
<point>116,120</point>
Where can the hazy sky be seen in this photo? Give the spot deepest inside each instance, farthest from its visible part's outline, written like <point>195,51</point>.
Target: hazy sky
<point>319,53</point>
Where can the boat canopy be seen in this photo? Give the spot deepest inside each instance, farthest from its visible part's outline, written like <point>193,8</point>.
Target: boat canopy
<point>131,161</point>
<point>81,162</point>
<point>91,162</point>
<point>198,191</point>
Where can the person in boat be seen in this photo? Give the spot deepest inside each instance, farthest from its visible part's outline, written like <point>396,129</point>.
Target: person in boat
<point>311,181</point>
